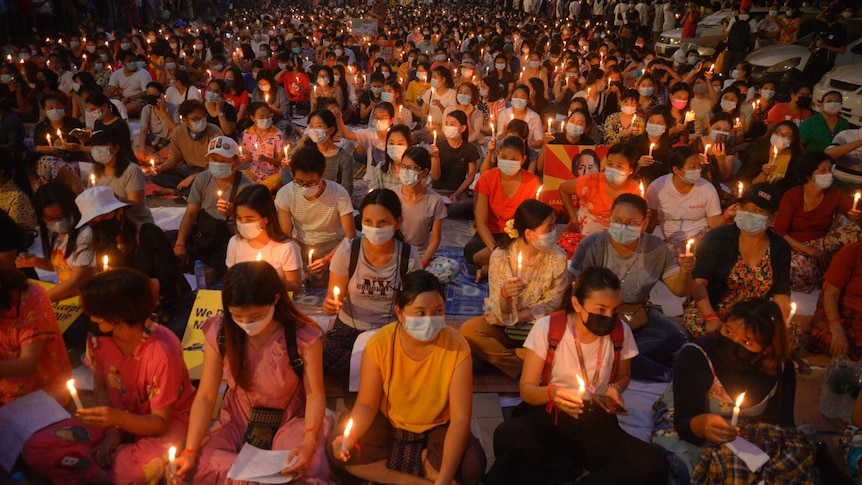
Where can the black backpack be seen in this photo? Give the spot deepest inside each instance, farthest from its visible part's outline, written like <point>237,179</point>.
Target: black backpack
<point>739,38</point>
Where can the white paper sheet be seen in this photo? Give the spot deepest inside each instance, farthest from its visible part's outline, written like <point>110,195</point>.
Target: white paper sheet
<point>751,455</point>
<point>262,466</point>
<point>21,418</point>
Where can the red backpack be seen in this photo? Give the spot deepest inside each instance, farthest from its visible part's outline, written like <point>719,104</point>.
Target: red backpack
<point>557,328</point>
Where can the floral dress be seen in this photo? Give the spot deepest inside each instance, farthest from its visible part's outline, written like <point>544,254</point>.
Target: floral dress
<point>613,127</point>
<point>271,145</point>
<point>791,455</point>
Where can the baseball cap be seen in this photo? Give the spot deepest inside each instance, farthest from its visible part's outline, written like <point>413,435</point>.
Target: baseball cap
<point>765,196</point>
<point>224,146</point>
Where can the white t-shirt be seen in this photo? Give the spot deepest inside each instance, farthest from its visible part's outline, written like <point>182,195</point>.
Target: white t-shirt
<point>566,363</point>
<point>283,256</point>
<point>853,159</point>
<point>319,220</point>
<point>370,293</point>
<point>131,85</point>
<point>682,216</point>
<point>534,122</point>
<point>173,100</point>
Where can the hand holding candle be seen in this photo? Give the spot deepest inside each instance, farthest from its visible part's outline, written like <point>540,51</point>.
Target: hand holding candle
<point>582,387</point>
<point>689,116</point>
<point>792,313</point>
<point>856,200</point>
<point>520,264</point>
<point>651,147</point>
<point>336,292</point>
<point>74,393</point>
<point>735,418</point>
<point>688,246</point>
<point>346,433</point>
<point>172,457</point>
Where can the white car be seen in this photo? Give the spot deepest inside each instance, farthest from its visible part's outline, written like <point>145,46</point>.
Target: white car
<point>847,80</point>
<point>784,64</point>
<point>710,31</point>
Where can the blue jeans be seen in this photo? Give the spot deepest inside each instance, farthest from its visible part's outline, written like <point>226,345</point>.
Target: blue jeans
<point>658,342</point>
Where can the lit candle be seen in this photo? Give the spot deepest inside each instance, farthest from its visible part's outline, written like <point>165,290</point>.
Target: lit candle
<point>688,246</point>
<point>520,264</point>
<point>549,125</point>
<point>493,133</point>
<point>588,92</point>
<point>259,256</point>
<point>792,313</point>
<point>689,116</point>
<point>266,98</point>
<point>429,120</point>
<point>74,393</point>
<point>634,120</point>
<point>48,137</point>
<point>336,292</point>
<point>651,146</point>
<point>105,266</point>
<point>92,180</point>
<point>435,137</point>
<point>172,456</point>
<point>739,191</point>
<point>738,122</point>
<point>285,152</point>
<point>735,417</point>
<point>582,387</point>
<point>219,194</point>
<point>856,200</point>
<point>60,135</point>
<point>643,192</point>
<point>310,255</point>
<point>346,431</point>
<point>774,154</point>
<point>539,192</point>
<point>153,165</point>
<point>706,149</point>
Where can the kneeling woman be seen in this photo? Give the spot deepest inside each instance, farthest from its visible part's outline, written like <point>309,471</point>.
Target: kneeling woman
<point>271,356</point>
<point>560,429</point>
<point>141,387</point>
<point>427,365</point>
<point>748,356</point>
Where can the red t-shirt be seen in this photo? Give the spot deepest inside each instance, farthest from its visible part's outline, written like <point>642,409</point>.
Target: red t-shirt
<point>689,27</point>
<point>297,87</point>
<point>781,112</point>
<point>845,273</point>
<point>793,220</point>
<point>237,100</point>
<point>501,209</point>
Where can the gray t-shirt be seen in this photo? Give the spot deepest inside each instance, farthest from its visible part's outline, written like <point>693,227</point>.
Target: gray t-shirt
<point>131,180</point>
<point>204,192</point>
<point>419,218</point>
<point>638,273</point>
<point>370,295</point>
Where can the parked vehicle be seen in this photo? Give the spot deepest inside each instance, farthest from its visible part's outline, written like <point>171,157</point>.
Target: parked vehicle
<point>847,80</point>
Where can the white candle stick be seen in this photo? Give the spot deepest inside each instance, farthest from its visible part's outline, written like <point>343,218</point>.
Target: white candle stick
<point>582,387</point>
<point>48,137</point>
<point>651,147</point>
<point>520,264</point>
<point>688,247</point>
<point>259,256</point>
<point>218,193</point>
<point>549,125</point>
<point>336,292</point>
<point>172,456</point>
<point>643,192</point>
<point>792,313</point>
<point>152,165</point>
<point>74,393</point>
<point>706,150</point>
<point>105,266</point>
<point>435,137</point>
<point>310,255</point>
<point>92,180</point>
<point>739,191</point>
<point>60,136</point>
<point>346,434</point>
<point>736,409</point>
<point>856,200</point>
<point>539,192</point>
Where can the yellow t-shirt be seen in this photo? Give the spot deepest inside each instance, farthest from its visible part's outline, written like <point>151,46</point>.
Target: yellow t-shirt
<point>415,90</point>
<point>418,391</point>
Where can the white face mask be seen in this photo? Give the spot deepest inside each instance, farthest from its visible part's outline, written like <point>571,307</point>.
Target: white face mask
<point>249,230</point>
<point>451,132</point>
<point>623,234</point>
<point>615,176</point>
<point>95,114</point>
<point>574,130</point>
<point>823,181</point>
<point>509,167</point>
<point>55,114</point>
<point>387,97</point>
<point>691,176</point>
<point>779,141</point>
<point>101,154</point>
<point>408,177</point>
<point>310,192</point>
<point>199,126</point>
<point>728,105</point>
<point>425,328</point>
<point>317,135</point>
<point>767,93</point>
<point>519,103</point>
<point>378,235</point>
<point>395,152</point>
<point>628,110</point>
<point>546,241</point>
<point>263,123</point>
<point>831,108</point>
<point>63,226</point>
<point>253,328</point>
<point>655,130</point>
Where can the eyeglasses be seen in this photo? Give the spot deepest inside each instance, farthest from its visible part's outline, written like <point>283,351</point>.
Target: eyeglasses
<point>306,184</point>
<point>401,166</point>
<point>629,224</point>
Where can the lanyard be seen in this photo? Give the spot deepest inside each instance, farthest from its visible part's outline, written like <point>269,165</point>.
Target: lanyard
<point>592,387</point>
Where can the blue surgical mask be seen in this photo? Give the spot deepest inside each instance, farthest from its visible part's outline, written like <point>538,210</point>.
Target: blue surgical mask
<point>750,223</point>
<point>211,97</point>
<point>519,103</point>
<point>546,241</point>
<point>646,91</point>
<point>463,99</point>
<point>220,170</point>
<point>623,234</point>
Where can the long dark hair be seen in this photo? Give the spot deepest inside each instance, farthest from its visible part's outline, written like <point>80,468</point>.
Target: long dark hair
<point>122,162</point>
<point>12,283</point>
<point>106,296</point>
<point>105,243</point>
<point>55,193</point>
<point>404,130</point>
<point>591,280</point>
<point>529,215</point>
<point>254,283</point>
<point>258,198</point>
<point>387,199</point>
<point>764,319</point>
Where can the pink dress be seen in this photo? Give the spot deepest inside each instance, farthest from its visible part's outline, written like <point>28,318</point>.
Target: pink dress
<point>31,320</point>
<point>273,384</point>
<point>153,377</point>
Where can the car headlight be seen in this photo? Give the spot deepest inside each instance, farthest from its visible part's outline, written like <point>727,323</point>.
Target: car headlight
<point>785,65</point>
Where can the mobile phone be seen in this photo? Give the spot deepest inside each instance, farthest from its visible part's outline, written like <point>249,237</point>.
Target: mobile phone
<point>609,405</point>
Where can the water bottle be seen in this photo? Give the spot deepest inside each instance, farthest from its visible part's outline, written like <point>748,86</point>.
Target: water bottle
<point>200,278</point>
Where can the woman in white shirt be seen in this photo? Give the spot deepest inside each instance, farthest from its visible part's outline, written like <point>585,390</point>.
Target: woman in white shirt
<point>520,111</point>
<point>180,90</point>
<point>259,236</point>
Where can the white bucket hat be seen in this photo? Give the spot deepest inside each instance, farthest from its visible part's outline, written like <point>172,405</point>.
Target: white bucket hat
<point>96,201</point>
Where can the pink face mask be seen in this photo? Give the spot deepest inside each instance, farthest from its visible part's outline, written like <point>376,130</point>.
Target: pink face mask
<point>678,103</point>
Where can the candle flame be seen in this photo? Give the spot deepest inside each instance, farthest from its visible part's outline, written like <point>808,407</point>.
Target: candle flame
<point>336,291</point>
<point>740,399</point>
<point>172,453</point>
<point>539,191</point>
<point>348,427</point>
<point>105,260</point>
<point>581,386</point>
<point>70,384</point>
<point>259,256</point>
<point>793,307</point>
<point>641,187</point>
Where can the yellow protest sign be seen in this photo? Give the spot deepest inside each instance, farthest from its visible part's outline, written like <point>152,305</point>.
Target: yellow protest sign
<point>207,305</point>
<point>66,311</point>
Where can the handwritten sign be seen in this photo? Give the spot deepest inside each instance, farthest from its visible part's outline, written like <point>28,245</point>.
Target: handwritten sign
<point>66,311</point>
<point>207,305</point>
<point>363,27</point>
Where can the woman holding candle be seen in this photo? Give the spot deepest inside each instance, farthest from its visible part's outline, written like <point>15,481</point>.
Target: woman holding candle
<point>263,145</point>
<point>32,352</point>
<point>142,247</point>
<point>577,132</point>
<point>748,355</point>
<point>379,258</point>
<point>717,147</point>
<point>398,140</point>
<point>520,111</point>
<point>156,127</point>
<point>559,430</point>
<point>141,388</point>
<point>624,124</point>
<point>271,356</point>
<point>114,169</point>
<point>270,93</point>
<point>259,232</point>
<point>371,140</point>
<point>594,193</point>
<point>453,164</point>
<point>322,128</point>
<point>498,193</point>
<point>807,220</point>
<point>681,121</point>
<point>422,369</point>
<point>50,133</point>
<point>837,322</point>
<point>526,279</point>
<point>653,146</point>
<point>774,158</point>
<point>740,261</point>
<point>324,87</point>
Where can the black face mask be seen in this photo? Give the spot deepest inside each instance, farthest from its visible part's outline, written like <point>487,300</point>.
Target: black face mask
<point>734,355</point>
<point>804,101</point>
<point>599,324</point>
